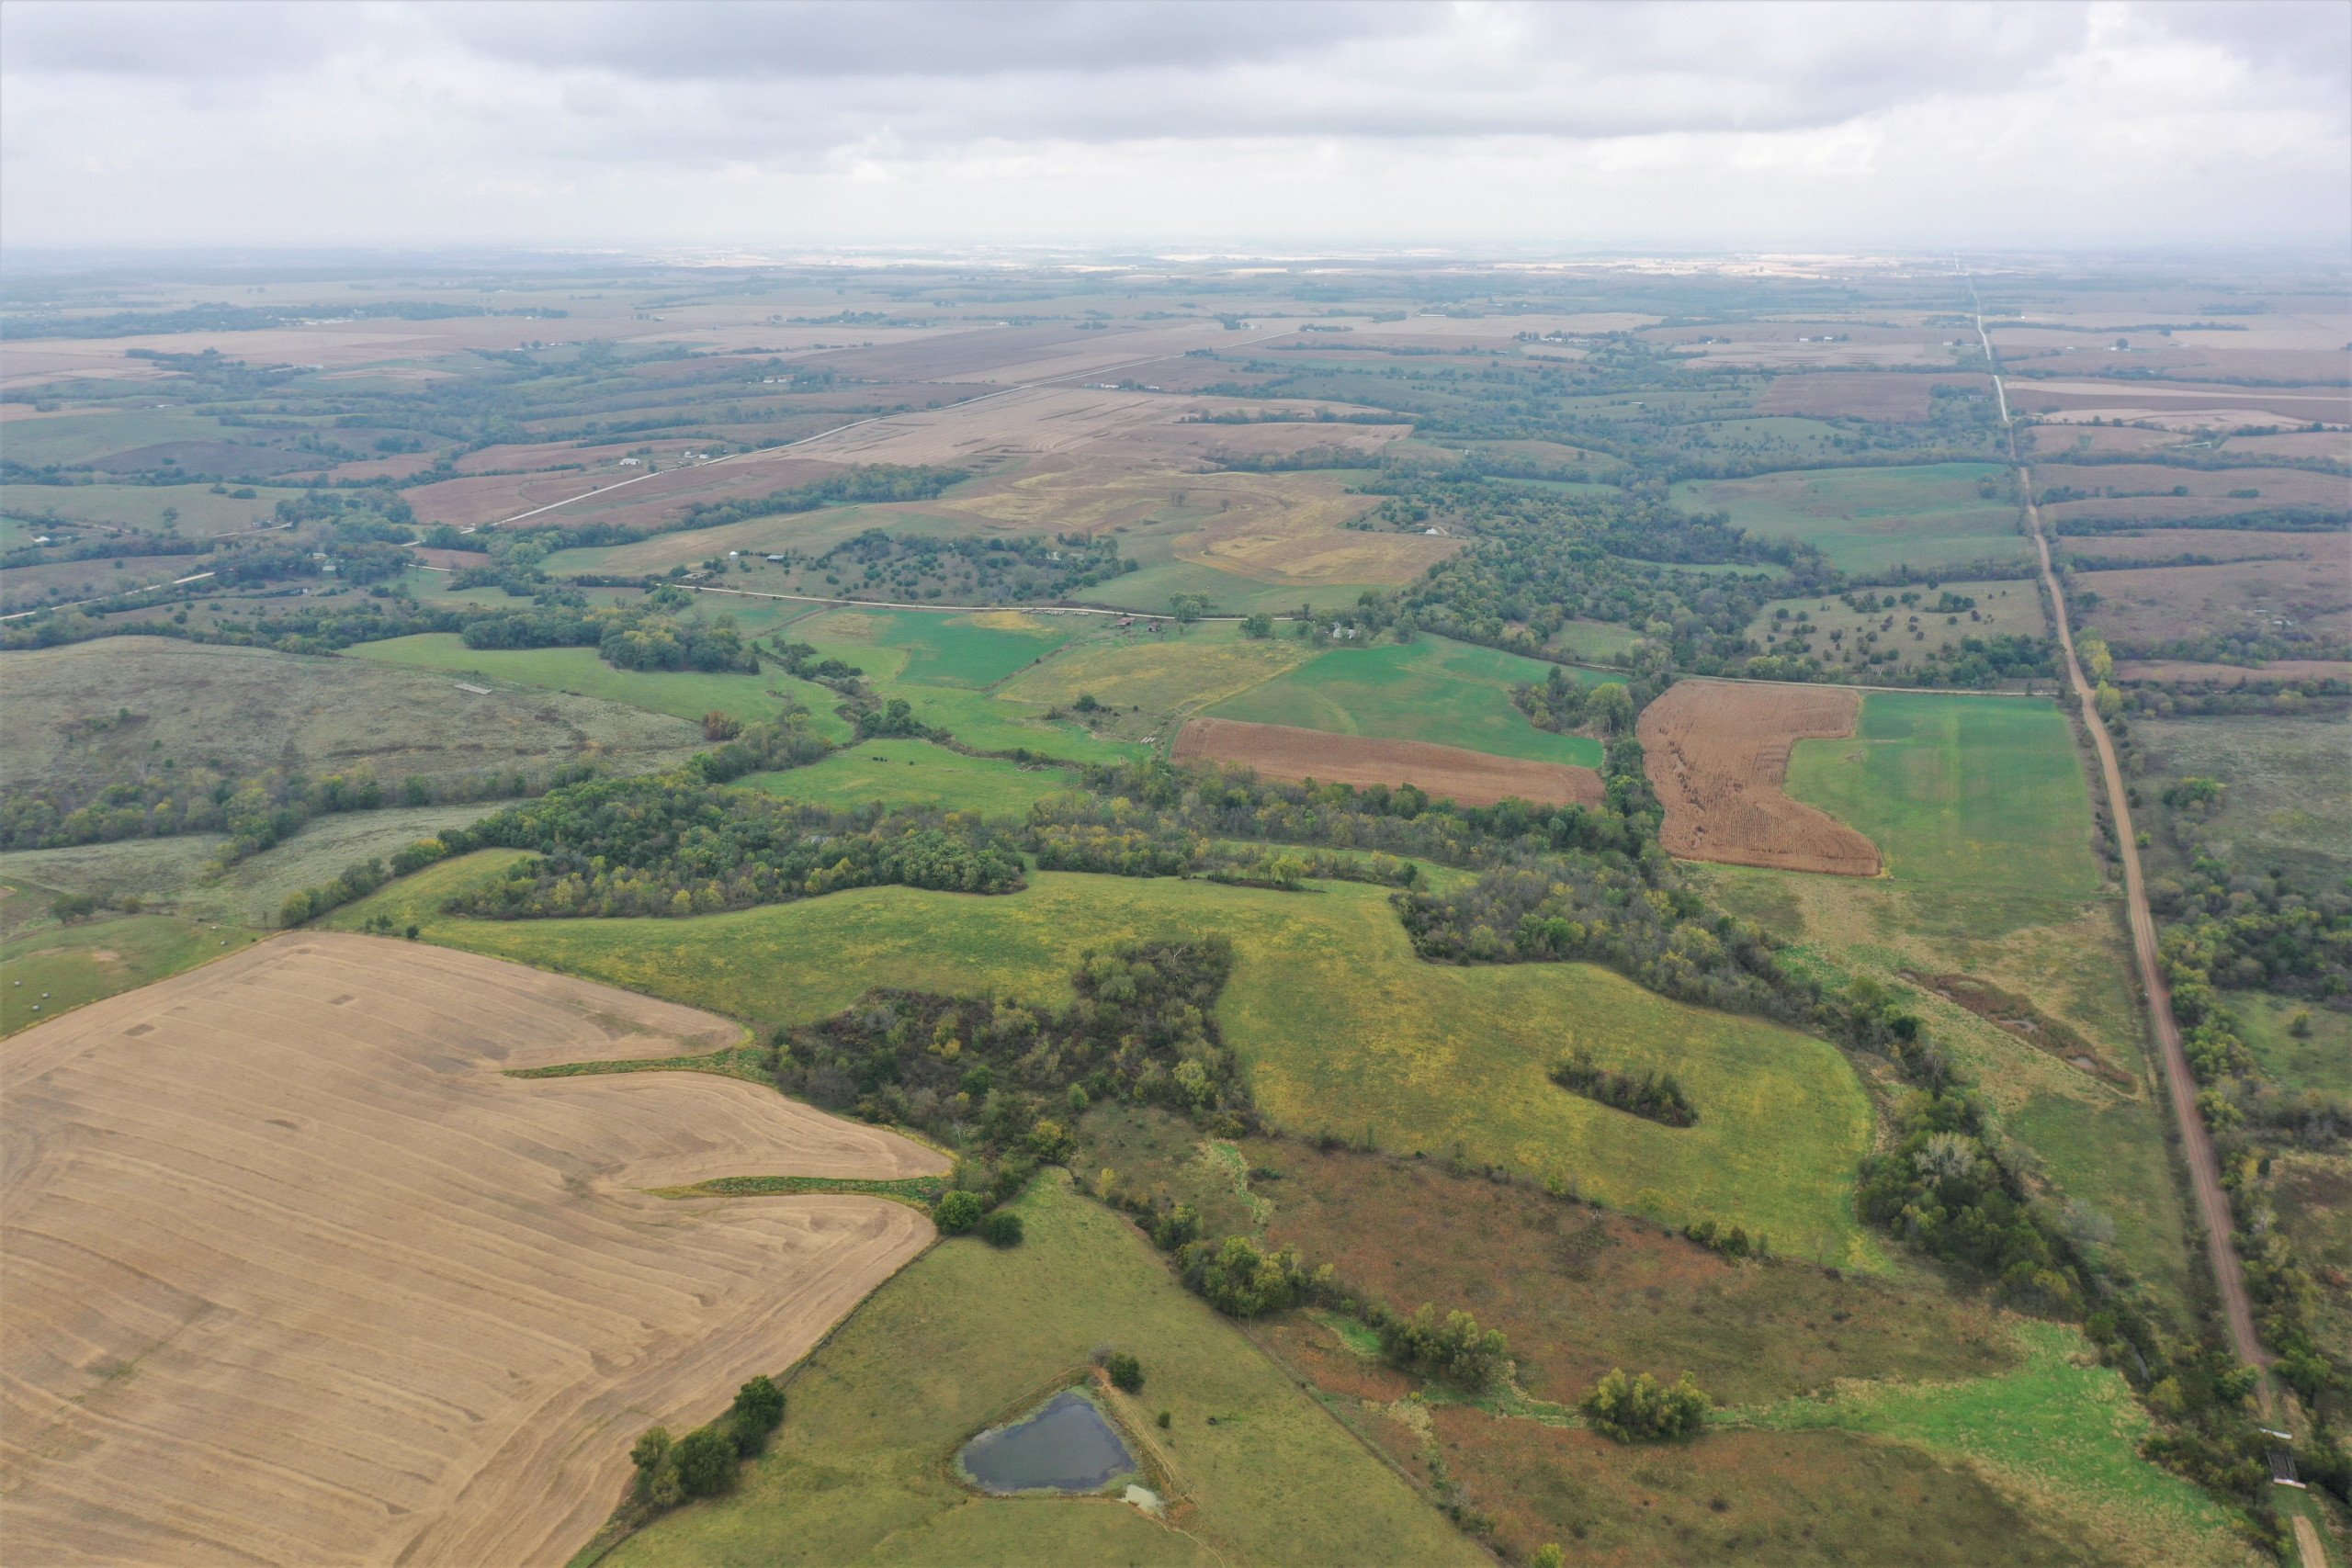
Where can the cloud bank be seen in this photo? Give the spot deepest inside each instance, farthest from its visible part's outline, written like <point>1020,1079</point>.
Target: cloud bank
<point>1557,127</point>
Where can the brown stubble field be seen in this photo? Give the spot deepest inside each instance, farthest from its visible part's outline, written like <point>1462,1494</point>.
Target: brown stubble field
<point>297,1275</point>
<point>1472,778</point>
<point>1717,754</point>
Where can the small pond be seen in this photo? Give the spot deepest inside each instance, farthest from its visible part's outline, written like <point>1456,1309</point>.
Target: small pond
<point>1067,1445</point>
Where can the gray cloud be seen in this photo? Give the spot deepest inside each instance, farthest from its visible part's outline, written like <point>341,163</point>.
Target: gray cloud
<point>704,120</point>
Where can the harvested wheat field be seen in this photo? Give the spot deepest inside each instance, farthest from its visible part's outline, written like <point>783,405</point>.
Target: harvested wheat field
<point>1718,754</point>
<point>296,1275</point>
<point>1471,778</point>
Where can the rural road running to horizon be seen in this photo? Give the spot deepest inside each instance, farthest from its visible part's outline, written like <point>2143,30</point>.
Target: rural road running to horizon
<point>2196,1143</point>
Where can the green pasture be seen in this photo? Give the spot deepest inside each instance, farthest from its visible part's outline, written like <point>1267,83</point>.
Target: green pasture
<point>938,666</point>
<point>1450,694</point>
<point>2320,1058</point>
<point>1960,792</point>
<point>975,650</point>
<point>1870,520</point>
<point>966,1337</point>
<point>579,671</point>
<point>916,772</point>
<point>1342,1027</point>
<point>1593,639</point>
<point>1163,674</point>
<point>2288,803</point>
<point>2060,1427</point>
<point>50,969</point>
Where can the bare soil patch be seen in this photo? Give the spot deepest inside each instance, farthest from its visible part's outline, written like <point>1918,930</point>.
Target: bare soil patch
<point>1472,778</point>
<point>296,1274</point>
<point>1718,755</point>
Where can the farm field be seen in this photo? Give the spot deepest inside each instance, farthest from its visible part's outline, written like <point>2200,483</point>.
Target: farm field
<point>255,709</point>
<point>464,1329</point>
<point>915,773</point>
<point>1717,755</point>
<point>1445,773</point>
<point>1431,689</point>
<point>1869,520</point>
<point>1161,675</point>
<point>1853,641</point>
<point>685,694</point>
<point>2145,609</point>
<point>201,513</point>
<point>1341,1025</point>
<point>53,969</point>
<point>976,651</point>
<point>1960,792</point>
<point>968,1335</point>
<point>2289,787</point>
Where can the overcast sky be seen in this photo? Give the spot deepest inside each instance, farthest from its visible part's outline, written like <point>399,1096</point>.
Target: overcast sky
<point>1562,127</point>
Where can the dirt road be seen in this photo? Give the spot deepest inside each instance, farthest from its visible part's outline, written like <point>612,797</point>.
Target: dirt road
<point>2197,1144</point>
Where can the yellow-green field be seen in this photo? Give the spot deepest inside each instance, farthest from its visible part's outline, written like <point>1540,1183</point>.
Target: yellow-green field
<point>916,772</point>
<point>1341,1026</point>
<point>967,1336</point>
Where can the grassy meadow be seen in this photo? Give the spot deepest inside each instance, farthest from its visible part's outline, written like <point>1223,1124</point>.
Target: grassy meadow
<point>2060,1428</point>
<point>976,650</point>
<point>1161,674</point>
<point>2288,803</point>
<point>967,1335</point>
<point>916,772</point>
<point>1342,1027</point>
<point>2319,1059</point>
<point>1871,520</point>
<point>1960,792</point>
<point>1449,694</point>
<point>681,694</point>
<point>53,969</point>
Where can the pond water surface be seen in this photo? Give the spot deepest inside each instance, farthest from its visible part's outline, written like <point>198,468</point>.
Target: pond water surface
<point>1065,1446</point>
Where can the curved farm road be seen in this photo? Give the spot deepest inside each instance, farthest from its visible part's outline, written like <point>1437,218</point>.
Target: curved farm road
<point>2197,1144</point>
<point>296,1274</point>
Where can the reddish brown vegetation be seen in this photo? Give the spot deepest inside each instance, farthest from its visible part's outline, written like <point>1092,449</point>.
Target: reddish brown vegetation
<point>1472,778</point>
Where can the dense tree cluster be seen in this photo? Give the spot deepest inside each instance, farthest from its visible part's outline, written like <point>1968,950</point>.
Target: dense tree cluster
<point>677,845</point>
<point>1452,1349</point>
<point>144,800</point>
<point>1642,1410</point>
<point>704,1461</point>
<point>1651,1095</point>
<point>999,1077</point>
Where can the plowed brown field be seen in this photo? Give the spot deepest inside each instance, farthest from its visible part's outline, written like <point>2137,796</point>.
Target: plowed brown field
<point>294,1274</point>
<point>1472,778</point>
<point>1718,754</point>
